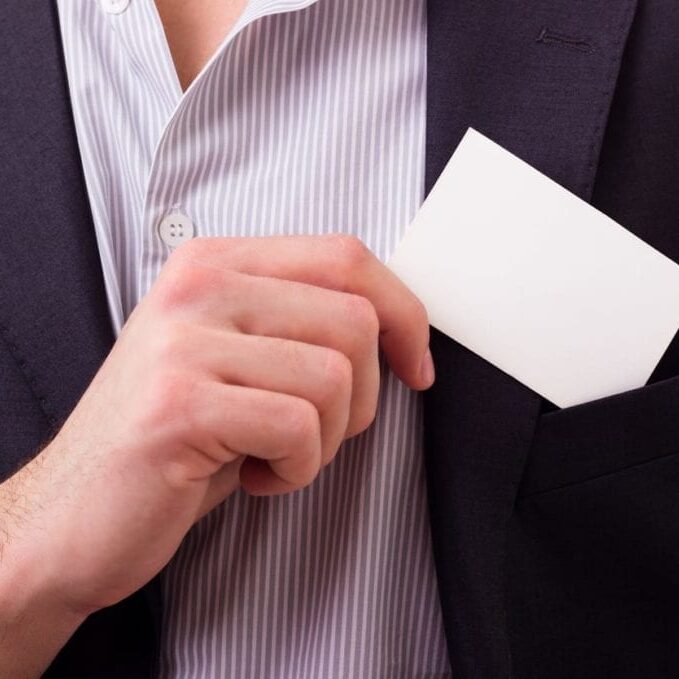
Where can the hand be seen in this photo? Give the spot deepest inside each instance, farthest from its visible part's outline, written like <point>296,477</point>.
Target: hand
<point>248,363</point>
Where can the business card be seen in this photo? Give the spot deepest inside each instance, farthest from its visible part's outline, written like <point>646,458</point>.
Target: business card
<point>537,281</point>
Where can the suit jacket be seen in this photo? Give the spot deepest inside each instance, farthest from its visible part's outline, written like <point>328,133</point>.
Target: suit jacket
<point>555,532</point>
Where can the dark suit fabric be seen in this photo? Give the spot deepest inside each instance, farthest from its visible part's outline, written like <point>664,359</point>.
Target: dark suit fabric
<point>555,531</point>
<point>593,568</point>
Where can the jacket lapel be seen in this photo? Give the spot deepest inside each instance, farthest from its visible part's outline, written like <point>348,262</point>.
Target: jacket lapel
<point>53,310</point>
<point>537,77</point>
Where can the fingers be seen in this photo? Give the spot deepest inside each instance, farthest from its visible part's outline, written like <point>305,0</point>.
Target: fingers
<point>333,262</point>
<point>317,374</point>
<point>342,322</point>
<point>272,308</point>
<point>282,431</point>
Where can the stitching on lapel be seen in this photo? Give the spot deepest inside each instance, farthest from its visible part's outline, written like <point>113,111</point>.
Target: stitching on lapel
<point>606,97</point>
<point>31,379</point>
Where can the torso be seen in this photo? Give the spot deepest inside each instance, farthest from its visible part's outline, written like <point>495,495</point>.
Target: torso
<point>310,120</point>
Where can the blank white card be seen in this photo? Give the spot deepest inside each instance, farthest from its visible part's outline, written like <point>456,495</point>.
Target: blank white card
<point>535,280</point>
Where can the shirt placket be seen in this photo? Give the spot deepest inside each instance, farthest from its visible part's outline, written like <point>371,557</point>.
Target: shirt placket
<point>168,220</point>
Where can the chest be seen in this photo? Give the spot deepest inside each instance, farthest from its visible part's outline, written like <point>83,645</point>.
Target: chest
<point>195,30</point>
<point>305,121</point>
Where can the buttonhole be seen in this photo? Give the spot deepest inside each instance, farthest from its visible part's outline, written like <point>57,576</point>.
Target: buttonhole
<point>547,37</point>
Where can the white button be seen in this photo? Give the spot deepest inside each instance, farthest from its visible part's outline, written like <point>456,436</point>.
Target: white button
<point>114,6</point>
<point>175,229</point>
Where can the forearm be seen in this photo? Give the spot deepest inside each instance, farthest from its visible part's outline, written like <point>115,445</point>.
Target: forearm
<point>34,623</point>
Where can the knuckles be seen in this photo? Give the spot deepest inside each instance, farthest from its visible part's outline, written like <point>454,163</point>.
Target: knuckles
<point>361,317</point>
<point>171,376</point>
<point>182,284</point>
<point>194,249</point>
<point>173,357</point>
<point>303,439</point>
<point>301,422</point>
<point>362,419</point>
<point>349,253</point>
<point>185,279</point>
<point>168,396</point>
<point>337,374</point>
<point>173,344</point>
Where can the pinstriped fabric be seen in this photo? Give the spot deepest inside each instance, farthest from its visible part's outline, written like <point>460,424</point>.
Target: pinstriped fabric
<point>309,119</point>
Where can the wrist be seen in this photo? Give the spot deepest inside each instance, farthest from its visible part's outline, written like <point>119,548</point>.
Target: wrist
<point>35,619</point>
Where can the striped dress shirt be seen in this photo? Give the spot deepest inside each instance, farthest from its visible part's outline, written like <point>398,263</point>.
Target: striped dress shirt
<point>309,119</point>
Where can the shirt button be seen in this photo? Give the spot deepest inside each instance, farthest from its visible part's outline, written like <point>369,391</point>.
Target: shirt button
<point>114,6</point>
<point>175,229</point>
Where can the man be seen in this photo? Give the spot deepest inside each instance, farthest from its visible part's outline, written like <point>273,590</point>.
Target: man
<point>243,360</point>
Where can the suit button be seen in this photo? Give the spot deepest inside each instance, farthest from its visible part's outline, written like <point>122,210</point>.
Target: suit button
<point>175,229</point>
<point>114,6</point>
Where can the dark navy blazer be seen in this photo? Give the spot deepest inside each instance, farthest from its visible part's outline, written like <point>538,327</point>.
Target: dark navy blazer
<point>555,532</point>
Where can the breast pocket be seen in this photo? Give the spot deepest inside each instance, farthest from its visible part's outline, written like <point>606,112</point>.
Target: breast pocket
<point>602,437</point>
